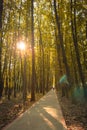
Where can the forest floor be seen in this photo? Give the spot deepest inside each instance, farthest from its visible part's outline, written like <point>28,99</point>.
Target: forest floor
<point>11,109</point>
<point>75,115</point>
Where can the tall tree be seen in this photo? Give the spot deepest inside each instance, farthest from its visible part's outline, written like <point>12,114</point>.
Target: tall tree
<point>33,52</point>
<point>75,40</point>
<point>61,42</point>
<point>1,81</point>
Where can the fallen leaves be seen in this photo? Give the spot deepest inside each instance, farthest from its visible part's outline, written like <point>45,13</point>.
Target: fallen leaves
<point>10,110</point>
<point>75,114</point>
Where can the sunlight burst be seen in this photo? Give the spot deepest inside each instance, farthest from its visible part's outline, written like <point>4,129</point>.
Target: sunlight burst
<point>21,45</point>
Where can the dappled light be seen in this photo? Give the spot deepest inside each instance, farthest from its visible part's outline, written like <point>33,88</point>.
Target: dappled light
<point>44,115</point>
<point>48,122</point>
<point>51,111</point>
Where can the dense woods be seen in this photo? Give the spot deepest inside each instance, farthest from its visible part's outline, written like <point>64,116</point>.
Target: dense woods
<point>55,36</point>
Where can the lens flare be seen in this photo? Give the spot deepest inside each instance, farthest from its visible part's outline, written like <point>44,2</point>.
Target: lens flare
<point>21,45</point>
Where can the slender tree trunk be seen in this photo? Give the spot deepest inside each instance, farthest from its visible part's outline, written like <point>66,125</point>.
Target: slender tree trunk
<point>48,71</point>
<point>9,78</point>
<point>1,78</point>
<point>33,52</point>
<point>42,87</point>
<point>58,54</point>
<point>24,81</point>
<point>40,65</point>
<point>74,34</point>
<point>43,70</point>
<point>14,67</point>
<point>86,29</point>
<point>74,69</point>
<point>61,42</point>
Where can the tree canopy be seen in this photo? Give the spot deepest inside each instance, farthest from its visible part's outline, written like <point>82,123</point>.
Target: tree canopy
<point>55,35</point>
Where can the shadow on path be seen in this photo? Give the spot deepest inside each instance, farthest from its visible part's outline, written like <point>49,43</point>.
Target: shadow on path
<point>43,115</point>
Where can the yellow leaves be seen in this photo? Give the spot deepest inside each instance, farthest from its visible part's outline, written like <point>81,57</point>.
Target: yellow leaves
<point>85,6</point>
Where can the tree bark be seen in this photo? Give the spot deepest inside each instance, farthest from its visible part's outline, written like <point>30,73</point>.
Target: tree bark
<point>74,34</point>
<point>61,42</point>
<point>86,29</point>
<point>33,53</point>
<point>1,78</point>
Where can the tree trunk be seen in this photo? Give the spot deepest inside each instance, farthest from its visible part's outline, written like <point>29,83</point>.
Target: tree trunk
<point>86,29</point>
<point>48,70</point>
<point>9,78</point>
<point>24,81</point>
<point>1,78</point>
<point>42,87</point>
<point>33,53</point>
<point>61,42</point>
<point>74,34</point>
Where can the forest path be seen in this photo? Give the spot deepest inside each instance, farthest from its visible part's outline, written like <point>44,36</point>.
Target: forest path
<point>46,114</point>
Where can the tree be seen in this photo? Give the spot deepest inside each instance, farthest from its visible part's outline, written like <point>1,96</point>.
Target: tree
<point>75,41</point>
<point>1,78</point>
<point>33,53</point>
<point>61,42</point>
